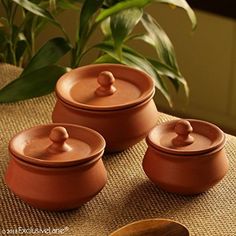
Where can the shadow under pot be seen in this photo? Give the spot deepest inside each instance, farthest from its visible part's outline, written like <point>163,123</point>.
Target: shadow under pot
<point>56,166</point>
<point>114,100</point>
<point>185,156</point>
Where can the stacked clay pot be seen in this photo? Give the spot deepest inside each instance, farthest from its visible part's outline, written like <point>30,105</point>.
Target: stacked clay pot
<point>114,100</point>
<point>56,166</point>
<point>185,156</point>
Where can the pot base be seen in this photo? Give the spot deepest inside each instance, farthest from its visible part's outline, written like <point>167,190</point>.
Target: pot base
<point>120,128</point>
<point>55,189</point>
<point>53,206</point>
<point>185,175</point>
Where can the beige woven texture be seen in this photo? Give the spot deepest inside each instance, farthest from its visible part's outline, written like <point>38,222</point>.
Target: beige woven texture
<point>128,195</point>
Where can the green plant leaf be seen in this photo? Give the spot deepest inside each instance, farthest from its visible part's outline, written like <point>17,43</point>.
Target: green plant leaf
<point>164,71</point>
<point>35,9</point>
<point>3,39</point>
<point>106,28</point>
<point>89,8</point>
<point>122,23</point>
<point>21,46</point>
<point>182,4</point>
<point>119,7</point>
<point>174,76</point>
<point>39,11</point>
<point>159,40</point>
<point>48,54</point>
<point>37,83</point>
<point>67,5</point>
<point>106,59</point>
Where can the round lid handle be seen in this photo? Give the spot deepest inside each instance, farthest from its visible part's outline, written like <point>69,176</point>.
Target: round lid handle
<point>106,81</point>
<point>183,129</point>
<point>58,136</point>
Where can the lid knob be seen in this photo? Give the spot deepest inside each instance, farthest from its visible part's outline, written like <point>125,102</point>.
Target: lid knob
<point>183,129</point>
<point>58,136</point>
<point>106,80</point>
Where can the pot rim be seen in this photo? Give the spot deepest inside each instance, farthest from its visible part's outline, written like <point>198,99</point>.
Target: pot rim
<point>106,111</point>
<point>220,142</point>
<point>187,156</point>
<point>41,162</point>
<point>57,168</point>
<point>137,101</point>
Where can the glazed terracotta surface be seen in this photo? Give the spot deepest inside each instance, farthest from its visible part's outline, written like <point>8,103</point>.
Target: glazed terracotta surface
<point>114,100</point>
<point>152,227</point>
<point>185,157</point>
<point>56,166</point>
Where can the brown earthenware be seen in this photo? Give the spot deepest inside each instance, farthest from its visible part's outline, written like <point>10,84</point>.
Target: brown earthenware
<point>185,156</point>
<point>56,166</point>
<point>114,100</point>
<point>152,227</point>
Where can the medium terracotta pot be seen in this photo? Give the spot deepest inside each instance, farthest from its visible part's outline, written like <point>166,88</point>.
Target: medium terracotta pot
<point>56,166</point>
<point>114,100</point>
<point>185,156</point>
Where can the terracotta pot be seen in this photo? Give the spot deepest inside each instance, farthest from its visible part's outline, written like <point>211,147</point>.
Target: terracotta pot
<point>114,100</point>
<point>185,156</point>
<point>56,166</point>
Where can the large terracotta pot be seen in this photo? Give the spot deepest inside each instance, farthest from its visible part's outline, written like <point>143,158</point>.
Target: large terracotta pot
<point>186,156</point>
<point>114,100</point>
<point>56,166</point>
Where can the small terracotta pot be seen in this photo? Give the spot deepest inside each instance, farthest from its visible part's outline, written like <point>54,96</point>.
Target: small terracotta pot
<point>185,156</point>
<point>56,166</point>
<point>114,100</point>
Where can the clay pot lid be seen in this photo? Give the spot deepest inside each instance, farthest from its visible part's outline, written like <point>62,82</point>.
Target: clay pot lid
<point>57,145</point>
<point>104,87</point>
<point>186,137</point>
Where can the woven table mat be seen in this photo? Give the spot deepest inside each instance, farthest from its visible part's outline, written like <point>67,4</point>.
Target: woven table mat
<point>128,195</point>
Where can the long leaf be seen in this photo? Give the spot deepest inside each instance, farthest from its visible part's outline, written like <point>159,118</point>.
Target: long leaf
<point>49,54</point>
<point>182,4</point>
<point>67,5</point>
<point>164,71</point>
<point>174,76</point>
<point>37,83</point>
<point>3,40</point>
<point>89,8</point>
<point>30,6</point>
<point>106,59</point>
<point>158,38</point>
<point>39,11</point>
<point>106,27</point>
<point>123,23</point>
<point>21,46</point>
<point>119,7</point>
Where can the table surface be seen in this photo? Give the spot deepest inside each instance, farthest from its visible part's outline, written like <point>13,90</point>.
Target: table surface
<point>128,195</point>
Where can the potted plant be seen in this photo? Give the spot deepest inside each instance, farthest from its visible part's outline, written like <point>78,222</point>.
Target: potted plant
<point>116,19</point>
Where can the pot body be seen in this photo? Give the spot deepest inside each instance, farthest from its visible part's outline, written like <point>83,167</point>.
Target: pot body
<point>121,128</point>
<point>185,174</point>
<point>55,188</point>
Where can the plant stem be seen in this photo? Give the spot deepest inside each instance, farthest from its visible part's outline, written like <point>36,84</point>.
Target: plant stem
<point>81,47</point>
<point>10,11</point>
